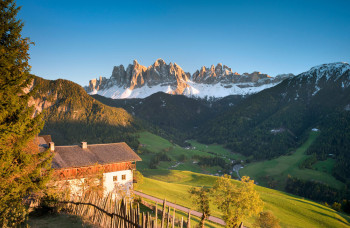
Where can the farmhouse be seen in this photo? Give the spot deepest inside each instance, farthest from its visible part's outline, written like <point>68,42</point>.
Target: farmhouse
<point>113,163</point>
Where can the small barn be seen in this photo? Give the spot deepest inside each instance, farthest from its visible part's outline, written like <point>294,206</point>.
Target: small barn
<point>113,162</point>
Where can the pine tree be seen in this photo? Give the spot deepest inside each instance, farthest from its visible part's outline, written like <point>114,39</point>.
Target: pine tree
<point>23,169</point>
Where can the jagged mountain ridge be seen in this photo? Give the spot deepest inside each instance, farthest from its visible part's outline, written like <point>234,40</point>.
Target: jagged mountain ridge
<point>137,81</point>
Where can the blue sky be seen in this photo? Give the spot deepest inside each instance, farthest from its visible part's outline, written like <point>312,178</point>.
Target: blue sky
<point>81,40</point>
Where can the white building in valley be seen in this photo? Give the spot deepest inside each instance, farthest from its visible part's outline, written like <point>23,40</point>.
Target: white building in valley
<point>106,166</point>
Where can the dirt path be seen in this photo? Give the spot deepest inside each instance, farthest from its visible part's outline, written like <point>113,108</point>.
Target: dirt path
<point>181,208</point>
<point>236,169</point>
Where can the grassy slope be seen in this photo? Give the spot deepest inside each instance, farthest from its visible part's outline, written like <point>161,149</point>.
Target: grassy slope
<point>178,215</point>
<point>325,166</point>
<point>156,144</point>
<point>292,211</point>
<point>278,169</point>
<point>216,148</point>
<point>57,221</point>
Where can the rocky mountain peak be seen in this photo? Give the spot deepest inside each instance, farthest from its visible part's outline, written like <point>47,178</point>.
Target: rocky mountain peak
<point>218,69</point>
<point>218,66</point>
<point>137,76</point>
<point>159,62</point>
<point>223,74</point>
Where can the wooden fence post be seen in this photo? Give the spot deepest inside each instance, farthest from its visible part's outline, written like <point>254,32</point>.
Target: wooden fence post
<point>173,226</point>
<point>168,218</point>
<point>138,213</point>
<point>143,220</point>
<point>163,214</point>
<point>156,219</point>
<point>189,220</point>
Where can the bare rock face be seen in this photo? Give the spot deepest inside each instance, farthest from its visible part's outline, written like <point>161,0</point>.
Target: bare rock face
<point>161,73</point>
<point>172,77</point>
<point>136,76</point>
<point>119,75</point>
<point>135,73</point>
<point>213,74</point>
<point>96,84</point>
<point>223,74</point>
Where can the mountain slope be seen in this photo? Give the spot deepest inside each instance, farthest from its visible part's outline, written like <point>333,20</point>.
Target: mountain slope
<point>275,121</point>
<point>72,116</point>
<point>137,81</point>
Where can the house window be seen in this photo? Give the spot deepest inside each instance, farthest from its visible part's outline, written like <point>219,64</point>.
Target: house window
<point>115,178</point>
<point>124,177</point>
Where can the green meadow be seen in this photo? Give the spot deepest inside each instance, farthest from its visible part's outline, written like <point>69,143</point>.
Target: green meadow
<point>152,144</point>
<point>276,171</point>
<point>325,166</point>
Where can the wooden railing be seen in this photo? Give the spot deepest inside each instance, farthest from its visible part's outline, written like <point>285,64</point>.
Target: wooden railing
<point>104,212</point>
<point>108,212</point>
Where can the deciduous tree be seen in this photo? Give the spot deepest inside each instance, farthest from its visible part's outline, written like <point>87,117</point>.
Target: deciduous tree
<point>266,219</point>
<point>236,201</point>
<point>201,199</point>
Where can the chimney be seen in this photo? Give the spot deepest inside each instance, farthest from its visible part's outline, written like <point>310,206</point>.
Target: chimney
<point>52,146</point>
<point>84,145</point>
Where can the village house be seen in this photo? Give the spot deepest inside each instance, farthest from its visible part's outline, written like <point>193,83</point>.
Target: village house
<point>112,163</point>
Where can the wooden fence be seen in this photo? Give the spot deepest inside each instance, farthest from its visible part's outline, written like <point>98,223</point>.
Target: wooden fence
<point>108,212</point>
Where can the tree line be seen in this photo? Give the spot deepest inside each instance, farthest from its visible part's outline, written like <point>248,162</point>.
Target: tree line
<point>319,192</point>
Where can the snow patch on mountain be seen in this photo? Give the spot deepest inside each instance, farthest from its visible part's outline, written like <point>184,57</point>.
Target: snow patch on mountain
<point>193,90</point>
<point>316,90</point>
<point>347,107</point>
<point>119,92</point>
<point>219,90</point>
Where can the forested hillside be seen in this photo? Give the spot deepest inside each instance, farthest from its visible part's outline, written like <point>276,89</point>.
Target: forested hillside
<point>72,116</point>
<point>334,142</point>
<point>174,117</point>
<point>277,120</point>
